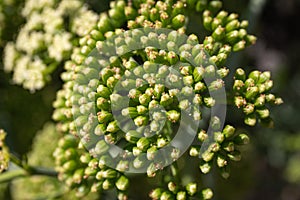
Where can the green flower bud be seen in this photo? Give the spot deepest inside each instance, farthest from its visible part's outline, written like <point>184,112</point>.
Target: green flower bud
<point>207,194</point>
<point>198,74</point>
<point>240,74</point>
<point>239,46</point>
<point>228,146</point>
<point>130,112</point>
<point>207,22</point>
<point>85,158</point>
<point>210,71</point>
<point>250,40</point>
<point>188,80</point>
<point>252,92</point>
<point>70,166</point>
<point>90,171</point>
<point>197,99</point>
<point>209,102</point>
<point>104,161</point>
<point>235,155</point>
<point>194,151</point>
<point>151,152</point>
<point>205,167</point>
<point>181,195</point>
<point>202,136</point>
<point>255,75</point>
<point>178,21</point>
<point>139,161</point>
<point>241,139</point>
<point>223,72</point>
<point>219,137</point>
<point>78,176</point>
<point>232,37</point>
<point>215,5</point>
<point>242,33</point>
<point>214,147</point>
<point>101,147</point>
<point>103,91</point>
<point>143,143</point>
<point>270,98</point>
<point>191,188</point>
<point>156,193</point>
<point>166,100</point>
<point>144,99</point>
<point>207,156</point>
<point>172,187</point>
<point>161,142</point>
<point>278,101</point>
<point>239,101</point>
<point>166,196</point>
<point>216,85</point>
<point>103,104</point>
<point>184,104</point>
<point>221,161</point>
<point>263,113</point>
<point>232,25</point>
<point>248,109</point>
<point>173,116</point>
<point>107,184</point>
<point>249,83</point>
<point>122,166</point>
<point>250,120</point>
<point>201,5</point>
<point>141,120</point>
<point>268,85</point>
<point>219,33</point>
<point>104,116</point>
<point>68,141</point>
<point>112,127</point>
<point>260,101</point>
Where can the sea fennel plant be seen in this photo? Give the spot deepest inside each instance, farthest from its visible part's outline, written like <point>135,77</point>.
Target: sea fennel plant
<point>142,94</point>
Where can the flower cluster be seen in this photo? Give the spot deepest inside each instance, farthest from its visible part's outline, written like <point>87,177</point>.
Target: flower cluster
<point>133,87</point>
<point>4,153</point>
<point>222,148</point>
<point>252,94</point>
<point>175,192</point>
<point>46,40</point>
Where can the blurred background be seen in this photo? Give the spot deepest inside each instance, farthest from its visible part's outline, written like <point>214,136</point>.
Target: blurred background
<point>270,168</point>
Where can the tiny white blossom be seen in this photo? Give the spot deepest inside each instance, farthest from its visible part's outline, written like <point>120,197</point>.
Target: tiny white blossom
<point>10,55</point>
<point>60,46</point>
<point>84,21</point>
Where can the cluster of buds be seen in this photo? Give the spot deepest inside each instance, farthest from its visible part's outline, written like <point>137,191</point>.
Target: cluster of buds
<point>220,147</point>
<point>174,191</point>
<point>81,171</point>
<point>45,41</point>
<point>4,153</point>
<point>252,94</point>
<point>135,93</point>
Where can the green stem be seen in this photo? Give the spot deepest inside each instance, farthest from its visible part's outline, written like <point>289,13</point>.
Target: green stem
<point>10,175</point>
<point>175,172</point>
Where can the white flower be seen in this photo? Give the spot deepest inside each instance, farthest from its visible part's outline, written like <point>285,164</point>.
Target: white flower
<point>53,20</point>
<point>36,5</point>
<point>60,46</point>
<point>69,7</point>
<point>10,55</point>
<point>84,21</point>
<point>30,42</point>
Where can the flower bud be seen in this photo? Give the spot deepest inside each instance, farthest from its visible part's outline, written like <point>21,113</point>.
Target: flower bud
<point>112,127</point>
<point>235,155</point>
<point>191,188</point>
<point>173,116</point>
<point>239,46</point>
<point>205,166</point>
<point>209,102</point>
<point>252,92</point>
<point>263,113</point>
<point>221,161</point>
<point>104,116</point>
<point>248,109</point>
<point>207,156</point>
<point>181,195</point>
<point>178,21</point>
<point>207,194</point>
<point>250,120</point>
<point>143,143</point>
<point>232,37</point>
<point>228,146</point>
<point>198,74</point>
<point>219,33</point>
<point>202,136</point>
<point>194,151</point>
<point>219,137</point>
<point>156,193</point>
<point>241,139</point>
